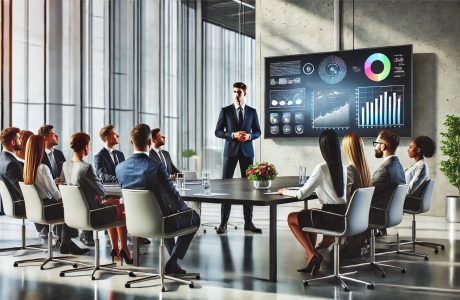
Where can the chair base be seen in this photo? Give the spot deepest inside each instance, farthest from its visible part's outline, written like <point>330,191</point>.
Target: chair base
<point>341,278</point>
<point>434,246</point>
<point>176,278</point>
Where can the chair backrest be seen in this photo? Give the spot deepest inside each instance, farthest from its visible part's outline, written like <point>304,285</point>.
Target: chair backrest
<point>7,200</point>
<point>33,203</point>
<point>357,214</point>
<point>76,210</point>
<point>395,208</point>
<point>190,175</point>
<point>426,195</point>
<point>143,214</point>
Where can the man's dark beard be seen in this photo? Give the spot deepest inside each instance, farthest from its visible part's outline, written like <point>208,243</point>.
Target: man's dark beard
<point>378,153</point>
<point>18,147</point>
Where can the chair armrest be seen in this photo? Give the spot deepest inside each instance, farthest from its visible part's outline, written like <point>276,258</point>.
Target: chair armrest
<point>377,208</point>
<point>53,204</point>
<point>327,212</point>
<point>413,198</point>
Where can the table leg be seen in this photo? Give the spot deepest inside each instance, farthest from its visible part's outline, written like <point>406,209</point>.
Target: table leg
<point>135,250</point>
<point>272,244</point>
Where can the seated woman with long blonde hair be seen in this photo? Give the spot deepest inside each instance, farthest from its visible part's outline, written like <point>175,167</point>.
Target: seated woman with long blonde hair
<point>39,175</point>
<point>78,172</point>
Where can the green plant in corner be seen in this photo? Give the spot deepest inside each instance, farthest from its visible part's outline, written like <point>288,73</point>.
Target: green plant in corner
<point>451,149</point>
<point>188,153</point>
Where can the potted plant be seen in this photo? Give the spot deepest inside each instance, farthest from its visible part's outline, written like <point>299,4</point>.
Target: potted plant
<point>451,166</point>
<point>261,173</point>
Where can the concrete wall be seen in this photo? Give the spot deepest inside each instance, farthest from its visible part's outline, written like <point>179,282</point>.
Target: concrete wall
<point>433,27</point>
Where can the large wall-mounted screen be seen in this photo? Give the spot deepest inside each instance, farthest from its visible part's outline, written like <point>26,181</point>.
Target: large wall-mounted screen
<point>361,90</point>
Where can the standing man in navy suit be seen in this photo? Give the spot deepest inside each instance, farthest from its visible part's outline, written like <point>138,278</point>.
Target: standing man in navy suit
<point>108,158</point>
<point>239,125</point>
<point>142,173</point>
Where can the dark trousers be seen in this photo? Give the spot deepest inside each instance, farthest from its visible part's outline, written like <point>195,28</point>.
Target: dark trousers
<point>178,248</point>
<point>228,171</point>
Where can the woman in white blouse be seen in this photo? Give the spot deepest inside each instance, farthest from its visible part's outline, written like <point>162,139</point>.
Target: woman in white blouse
<point>329,180</point>
<point>40,175</point>
<point>417,174</point>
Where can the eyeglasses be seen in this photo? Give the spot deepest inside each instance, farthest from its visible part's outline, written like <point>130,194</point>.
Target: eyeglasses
<point>377,143</point>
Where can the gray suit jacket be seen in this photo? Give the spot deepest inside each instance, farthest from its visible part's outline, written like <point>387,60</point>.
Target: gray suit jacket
<point>385,179</point>
<point>82,174</point>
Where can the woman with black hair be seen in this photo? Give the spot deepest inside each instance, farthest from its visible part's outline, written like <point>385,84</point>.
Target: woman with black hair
<point>419,148</point>
<point>329,180</point>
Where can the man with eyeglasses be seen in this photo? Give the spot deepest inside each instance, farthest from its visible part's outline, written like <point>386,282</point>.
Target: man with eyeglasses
<point>390,173</point>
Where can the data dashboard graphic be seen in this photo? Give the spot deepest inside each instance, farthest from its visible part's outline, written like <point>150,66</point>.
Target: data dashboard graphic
<point>362,90</point>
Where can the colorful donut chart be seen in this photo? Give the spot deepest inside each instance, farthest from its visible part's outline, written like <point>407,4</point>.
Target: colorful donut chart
<point>386,67</point>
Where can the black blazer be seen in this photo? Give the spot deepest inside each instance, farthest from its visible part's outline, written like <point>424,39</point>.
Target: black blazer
<point>59,158</point>
<point>385,179</point>
<point>105,167</point>
<point>172,170</point>
<point>11,172</point>
<point>226,125</point>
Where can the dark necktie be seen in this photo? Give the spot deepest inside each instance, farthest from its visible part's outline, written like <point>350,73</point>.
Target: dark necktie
<point>115,158</point>
<point>53,163</point>
<point>239,126</point>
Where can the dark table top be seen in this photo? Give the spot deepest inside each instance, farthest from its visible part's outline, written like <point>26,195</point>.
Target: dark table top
<point>242,191</point>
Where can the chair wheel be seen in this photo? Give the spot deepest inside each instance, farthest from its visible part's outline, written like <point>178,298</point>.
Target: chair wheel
<point>371,286</point>
<point>197,277</point>
<point>215,227</point>
<point>442,247</point>
<point>93,278</point>
<point>236,227</point>
<point>62,274</point>
<point>191,285</point>
<point>204,230</point>
<point>42,268</point>
<point>127,285</point>
<point>383,275</point>
<point>74,266</point>
<point>163,289</point>
<point>426,257</point>
<point>305,283</point>
<point>15,264</point>
<point>403,270</point>
<point>346,289</point>
<point>436,251</point>
<point>131,274</point>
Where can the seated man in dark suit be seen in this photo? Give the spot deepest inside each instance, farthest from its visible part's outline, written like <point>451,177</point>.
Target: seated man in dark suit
<point>108,158</point>
<point>142,173</point>
<point>390,173</point>
<point>11,170</point>
<point>160,155</point>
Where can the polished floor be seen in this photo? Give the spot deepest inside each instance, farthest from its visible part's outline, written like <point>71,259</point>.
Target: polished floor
<point>235,266</point>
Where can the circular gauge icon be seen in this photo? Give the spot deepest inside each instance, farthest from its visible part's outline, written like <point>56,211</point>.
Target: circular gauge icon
<point>290,102</point>
<point>274,102</point>
<point>274,129</point>
<point>332,69</point>
<point>299,129</point>
<point>282,102</point>
<point>308,68</point>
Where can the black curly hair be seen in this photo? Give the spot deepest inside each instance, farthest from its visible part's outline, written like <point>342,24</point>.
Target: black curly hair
<point>426,144</point>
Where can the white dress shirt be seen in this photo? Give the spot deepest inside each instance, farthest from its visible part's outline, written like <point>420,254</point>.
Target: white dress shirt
<point>45,184</point>
<point>416,175</point>
<point>321,181</point>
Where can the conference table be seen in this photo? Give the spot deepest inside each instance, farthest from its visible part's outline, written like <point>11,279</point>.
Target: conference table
<point>239,191</point>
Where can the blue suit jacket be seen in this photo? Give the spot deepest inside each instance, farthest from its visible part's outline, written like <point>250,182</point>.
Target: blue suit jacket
<point>11,172</point>
<point>385,179</point>
<point>139,172</point>
<point>105,167</point>
<point>226,125</point>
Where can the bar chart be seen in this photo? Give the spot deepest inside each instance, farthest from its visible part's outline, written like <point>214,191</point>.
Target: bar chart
<point>380,106</point>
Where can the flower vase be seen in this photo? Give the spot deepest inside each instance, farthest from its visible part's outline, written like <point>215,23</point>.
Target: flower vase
<point>262,184</point>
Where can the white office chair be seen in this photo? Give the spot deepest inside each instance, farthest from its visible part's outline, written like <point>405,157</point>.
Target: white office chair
<point>356,221</point>
<point>78,215</point>
<point>391,216</point>
<point>50,215</point>
<point>16,210</point>
<point>145,219</point>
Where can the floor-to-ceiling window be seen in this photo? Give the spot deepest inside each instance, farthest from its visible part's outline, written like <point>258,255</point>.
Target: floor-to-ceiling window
<point>81,64</point>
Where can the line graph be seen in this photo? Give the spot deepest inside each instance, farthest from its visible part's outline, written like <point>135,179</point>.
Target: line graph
<point>331,109</point>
